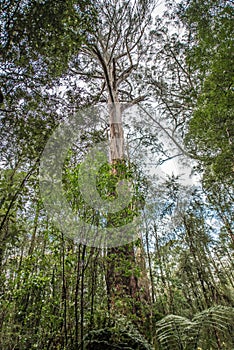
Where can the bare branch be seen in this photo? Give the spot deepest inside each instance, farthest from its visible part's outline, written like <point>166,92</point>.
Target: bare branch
<point>133,102</point>
<point>166,132</point>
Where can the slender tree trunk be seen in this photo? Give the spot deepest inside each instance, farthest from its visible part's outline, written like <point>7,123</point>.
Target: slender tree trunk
<point>64,292</point>
<point>150,267</point>
<point>76,298</point>
<point>35,225</point>
<point>82,298</point>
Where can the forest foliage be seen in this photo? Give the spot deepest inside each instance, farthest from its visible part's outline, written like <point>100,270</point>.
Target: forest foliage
<point>172,288</point>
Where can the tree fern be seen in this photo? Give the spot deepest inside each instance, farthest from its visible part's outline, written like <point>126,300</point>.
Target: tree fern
<point>177,332</point>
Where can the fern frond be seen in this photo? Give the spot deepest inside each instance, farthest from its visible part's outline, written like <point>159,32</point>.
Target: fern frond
<point>177,332</point>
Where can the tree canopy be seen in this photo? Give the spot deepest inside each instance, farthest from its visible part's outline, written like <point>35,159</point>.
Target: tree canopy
<point>153,82</point>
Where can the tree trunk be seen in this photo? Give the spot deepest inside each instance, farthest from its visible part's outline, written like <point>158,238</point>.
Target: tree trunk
<point>122,282</point>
